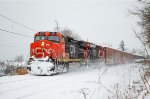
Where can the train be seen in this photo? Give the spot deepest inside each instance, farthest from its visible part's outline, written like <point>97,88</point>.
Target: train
<point>52,52</point>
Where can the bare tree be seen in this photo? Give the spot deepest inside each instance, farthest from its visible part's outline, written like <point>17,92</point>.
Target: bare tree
<point>19,58</point>
<point>2,67</point>
<point>66,31</point>
<point>142,11</point>
<point>70,33</point>
<point>133,51</point>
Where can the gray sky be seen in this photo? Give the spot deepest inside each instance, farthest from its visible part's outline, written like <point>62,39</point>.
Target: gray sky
<point>99,21</point>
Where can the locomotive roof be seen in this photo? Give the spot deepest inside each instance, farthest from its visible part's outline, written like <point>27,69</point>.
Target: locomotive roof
<point>48,33</point>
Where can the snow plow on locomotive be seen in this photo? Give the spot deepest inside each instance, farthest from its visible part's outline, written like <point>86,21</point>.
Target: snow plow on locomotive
<point>51,53</point>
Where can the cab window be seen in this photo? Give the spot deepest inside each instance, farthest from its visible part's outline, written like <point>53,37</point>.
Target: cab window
<point>55,39</point>
<point>40,37</point>
<point>63,39</point>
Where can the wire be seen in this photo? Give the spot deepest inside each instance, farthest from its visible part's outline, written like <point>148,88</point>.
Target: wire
<point>15,33</point>
<point>18,23</point>
<point>12,46</point>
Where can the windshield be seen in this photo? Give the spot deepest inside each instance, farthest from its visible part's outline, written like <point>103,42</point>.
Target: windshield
<point>54,39</point>
<point>39,37</point>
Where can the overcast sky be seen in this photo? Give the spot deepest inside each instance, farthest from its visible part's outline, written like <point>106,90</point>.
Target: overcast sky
<point>99,21</point>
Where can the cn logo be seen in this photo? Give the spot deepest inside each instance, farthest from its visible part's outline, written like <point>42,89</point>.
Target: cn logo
<point>40,50</point>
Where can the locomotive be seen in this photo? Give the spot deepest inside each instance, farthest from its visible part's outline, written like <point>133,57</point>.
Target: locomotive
<point>51,53</point>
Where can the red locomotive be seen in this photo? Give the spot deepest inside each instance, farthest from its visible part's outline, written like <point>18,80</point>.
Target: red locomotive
<point>59,51</point>
<point>48,44</point>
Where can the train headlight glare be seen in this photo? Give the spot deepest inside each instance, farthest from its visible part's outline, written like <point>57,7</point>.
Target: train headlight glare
<point>47,57</point>
<point>32,56</point>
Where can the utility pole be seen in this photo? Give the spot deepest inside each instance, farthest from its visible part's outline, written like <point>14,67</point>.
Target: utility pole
<point>56,25</point>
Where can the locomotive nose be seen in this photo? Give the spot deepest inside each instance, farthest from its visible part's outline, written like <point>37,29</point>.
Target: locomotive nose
<point>39,49</point>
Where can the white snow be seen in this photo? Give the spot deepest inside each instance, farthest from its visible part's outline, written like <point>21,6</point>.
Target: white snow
<point>81,82</point>
<point>41,68</point>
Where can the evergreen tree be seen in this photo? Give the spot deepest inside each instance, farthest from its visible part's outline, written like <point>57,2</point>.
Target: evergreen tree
<point>122,45</point>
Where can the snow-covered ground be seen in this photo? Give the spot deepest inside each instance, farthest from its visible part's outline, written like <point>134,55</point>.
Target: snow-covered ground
<point>93,82</point>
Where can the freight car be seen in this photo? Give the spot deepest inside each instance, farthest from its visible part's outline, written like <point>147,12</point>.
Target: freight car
<point>114,56</point>
<point>51,53</point>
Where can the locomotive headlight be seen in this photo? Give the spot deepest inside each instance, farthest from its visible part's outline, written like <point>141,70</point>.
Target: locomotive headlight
<point>47,57</point>
<point>33,56</point>
<point>42,44</point>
